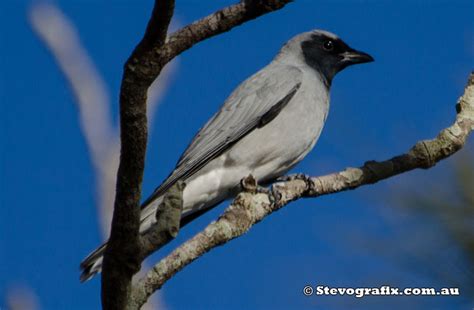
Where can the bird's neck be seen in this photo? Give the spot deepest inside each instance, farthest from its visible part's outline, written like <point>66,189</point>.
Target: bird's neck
<point>291,56</point>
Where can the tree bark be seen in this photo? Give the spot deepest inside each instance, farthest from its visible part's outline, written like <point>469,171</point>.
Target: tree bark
<point>123,255</point>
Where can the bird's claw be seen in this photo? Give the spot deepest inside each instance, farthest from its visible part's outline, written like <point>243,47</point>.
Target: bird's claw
<point>249,184</point>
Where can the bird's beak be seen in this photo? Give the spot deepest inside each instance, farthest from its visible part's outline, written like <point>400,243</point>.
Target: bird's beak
<point>353,57</point>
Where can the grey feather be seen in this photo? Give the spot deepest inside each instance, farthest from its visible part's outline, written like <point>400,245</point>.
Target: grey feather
<point>253,104</point>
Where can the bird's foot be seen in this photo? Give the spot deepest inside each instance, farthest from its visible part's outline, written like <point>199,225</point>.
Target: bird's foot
<point>250,184</point>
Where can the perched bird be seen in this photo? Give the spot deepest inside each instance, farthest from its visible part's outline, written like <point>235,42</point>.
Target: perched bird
<point>266,126</point>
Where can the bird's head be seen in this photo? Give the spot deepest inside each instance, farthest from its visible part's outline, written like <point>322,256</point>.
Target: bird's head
<point>327,53</point>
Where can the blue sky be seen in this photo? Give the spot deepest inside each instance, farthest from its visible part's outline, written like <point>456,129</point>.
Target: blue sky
<point>424,51</point>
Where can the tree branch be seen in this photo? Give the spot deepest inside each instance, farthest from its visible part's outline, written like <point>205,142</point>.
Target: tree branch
<point>122,257</point>
<point>217,23</point>
<point>59,35</point>
<point>154,54</point>
<point>251,206</point>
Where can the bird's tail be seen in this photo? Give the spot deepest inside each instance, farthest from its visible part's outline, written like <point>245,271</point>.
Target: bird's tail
<point>92,264</point>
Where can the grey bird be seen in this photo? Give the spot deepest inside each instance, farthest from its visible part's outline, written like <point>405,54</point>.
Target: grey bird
<point>267,125</point>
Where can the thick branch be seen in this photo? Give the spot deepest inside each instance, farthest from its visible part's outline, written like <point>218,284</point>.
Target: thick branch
<point>60,37</point>
<point>251,207</point>
<point>123,257</point>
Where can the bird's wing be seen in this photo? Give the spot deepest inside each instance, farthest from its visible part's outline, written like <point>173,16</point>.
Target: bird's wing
<point>256,102</point>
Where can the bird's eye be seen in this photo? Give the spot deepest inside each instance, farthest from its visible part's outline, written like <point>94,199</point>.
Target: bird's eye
<point>328,45</point>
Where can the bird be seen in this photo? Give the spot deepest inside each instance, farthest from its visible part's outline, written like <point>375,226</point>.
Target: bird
<point>267,125</point>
